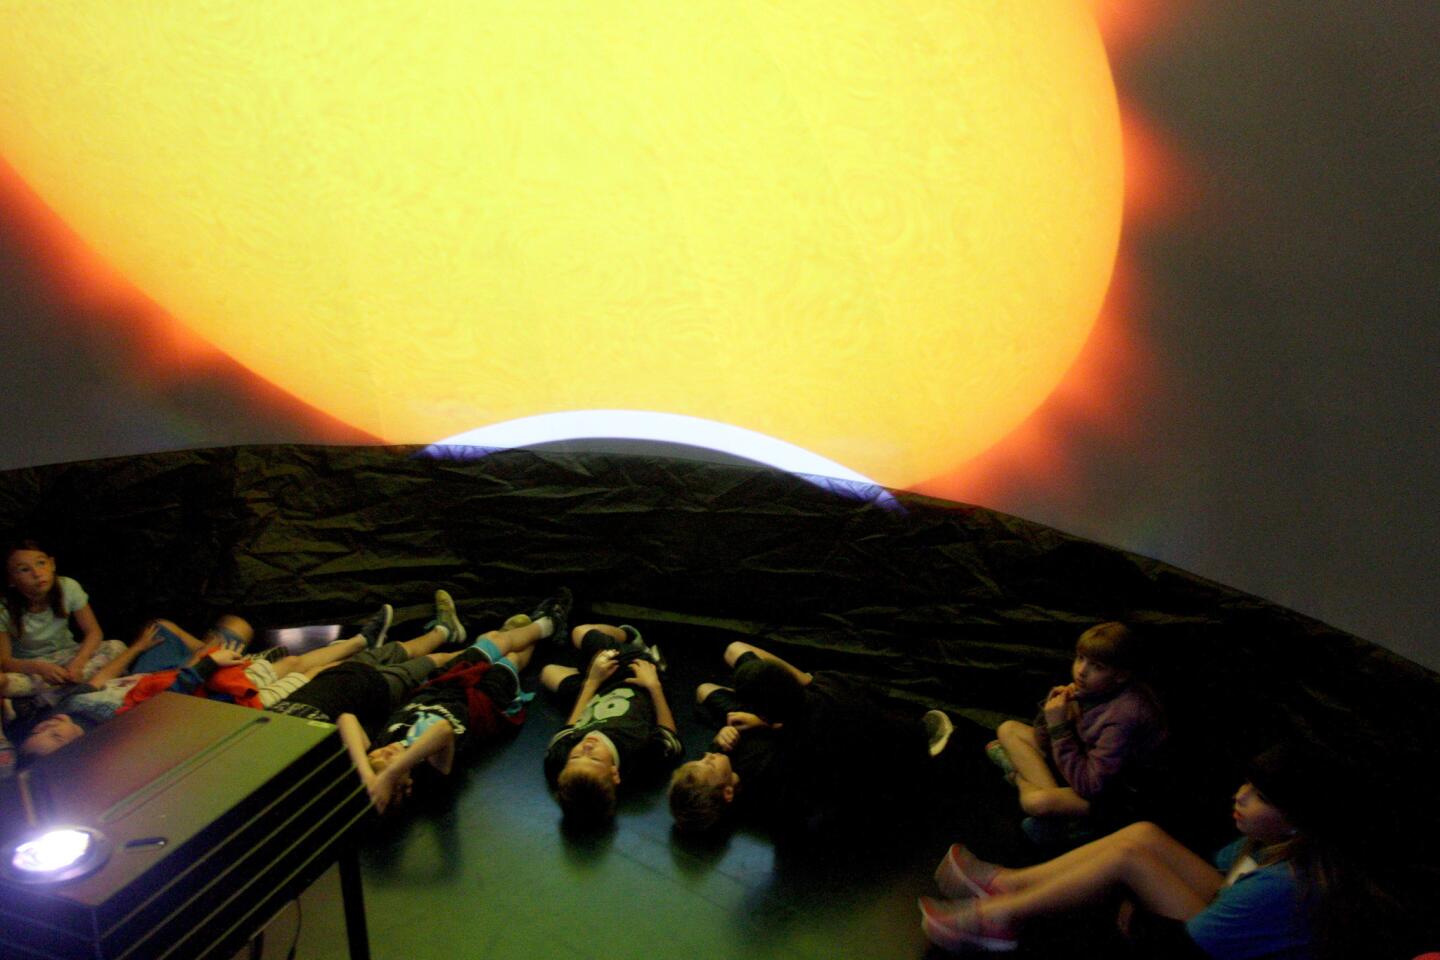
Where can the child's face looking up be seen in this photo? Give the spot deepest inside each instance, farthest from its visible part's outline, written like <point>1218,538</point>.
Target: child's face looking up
<point>50,735</point>
<point>1093,678</point>
<point>32,572</point>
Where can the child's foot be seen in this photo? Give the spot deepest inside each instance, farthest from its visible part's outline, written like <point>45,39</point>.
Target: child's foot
<point>999,756</point>
<point>556,609</point>
<point>447,619</point>
<point>962,874</point>
<point>937,730</point>
<point>375,629</point>
<point>958,925</point>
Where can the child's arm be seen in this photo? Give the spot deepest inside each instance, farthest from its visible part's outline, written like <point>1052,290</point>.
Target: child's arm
<point>648,678</point>
<point>44,669</point>
<point>121,664</point>
<point>601,667</point>
<point>90,640</point>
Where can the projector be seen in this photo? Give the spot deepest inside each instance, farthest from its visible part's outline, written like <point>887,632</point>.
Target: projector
<point>176,830</point>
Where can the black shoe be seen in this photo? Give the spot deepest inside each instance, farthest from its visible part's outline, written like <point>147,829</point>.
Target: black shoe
<point>375,629</point>
<point>557,608</point>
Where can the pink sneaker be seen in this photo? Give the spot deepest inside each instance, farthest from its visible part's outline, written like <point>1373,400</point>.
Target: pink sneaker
<point>956,925</point>
<point>962,874</point>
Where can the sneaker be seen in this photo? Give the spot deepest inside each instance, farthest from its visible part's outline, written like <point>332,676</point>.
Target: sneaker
<point>446,617</point>
<point>956,925</point>
<point>374,629</point>
<point>937,730</point>
<point>962,874</point>
<point>516,622</point>
<point>557,608</point>
<point>1001,758</point>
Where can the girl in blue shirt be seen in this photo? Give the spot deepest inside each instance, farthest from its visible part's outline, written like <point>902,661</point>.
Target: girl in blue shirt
<point>1259,898</point>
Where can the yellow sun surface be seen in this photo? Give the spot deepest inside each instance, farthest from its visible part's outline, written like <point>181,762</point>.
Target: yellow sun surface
<point>879,230</point>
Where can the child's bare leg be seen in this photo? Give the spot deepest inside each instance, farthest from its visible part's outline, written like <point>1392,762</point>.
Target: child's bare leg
<point>427,643</point>
<point>702,692</point>
<point>1019,742</point>
<point>1138,838</point>
<point>313,661</point>
<point>521,658</point>
<point>516,640</point>
<point>739,648</point>
<point>1167,878</point>
<point>578,634</point>
<point>554,674</point>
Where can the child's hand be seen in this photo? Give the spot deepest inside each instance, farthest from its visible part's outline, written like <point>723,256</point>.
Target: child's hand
<point>388,788</point>
<point>645,674</point>
<point>51,673</point>
<point>75,669</point>
<point>226,657</point>
<point>726,738</point>
<point>1058,703</point>
<point>741,720</point>
<point>602,666</point>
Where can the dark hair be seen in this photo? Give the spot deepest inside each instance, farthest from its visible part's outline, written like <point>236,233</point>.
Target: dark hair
<point>16,603</point>
<point>1309,784</point>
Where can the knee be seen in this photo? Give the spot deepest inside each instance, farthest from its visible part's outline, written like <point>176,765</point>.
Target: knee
<point>704,690</point>
<point>1012,733</point>
<point>551,676</point>
<point>1040,803</point>
<point>735,651</point>
<point>578,633</point>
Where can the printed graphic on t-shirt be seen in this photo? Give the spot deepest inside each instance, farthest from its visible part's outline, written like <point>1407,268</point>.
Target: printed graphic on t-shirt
<point>605,707</point>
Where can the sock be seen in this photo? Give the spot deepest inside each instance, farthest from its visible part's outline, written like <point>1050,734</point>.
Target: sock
<point>547,627</point>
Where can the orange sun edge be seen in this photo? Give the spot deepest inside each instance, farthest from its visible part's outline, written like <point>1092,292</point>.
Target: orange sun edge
<point>1115,371</point>
<point>153,345</point>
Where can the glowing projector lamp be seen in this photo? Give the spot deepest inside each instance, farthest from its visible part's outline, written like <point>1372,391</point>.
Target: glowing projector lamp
<point>59,854</point>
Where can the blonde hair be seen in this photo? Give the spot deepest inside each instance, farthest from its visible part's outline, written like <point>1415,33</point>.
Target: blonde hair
<point>696,805</point>
<point>1112,644</point>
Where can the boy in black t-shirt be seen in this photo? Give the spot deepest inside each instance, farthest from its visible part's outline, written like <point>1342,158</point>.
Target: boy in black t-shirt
<point>792,746</point>
<point>620,722</point>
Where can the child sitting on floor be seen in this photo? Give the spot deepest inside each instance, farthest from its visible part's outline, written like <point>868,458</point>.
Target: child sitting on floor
<point>38,650</point>
<point>787,743</point>
<point>1091,736</point>
<point>620,721</point>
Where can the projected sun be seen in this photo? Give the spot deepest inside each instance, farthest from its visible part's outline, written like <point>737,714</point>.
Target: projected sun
<point>878,231</point>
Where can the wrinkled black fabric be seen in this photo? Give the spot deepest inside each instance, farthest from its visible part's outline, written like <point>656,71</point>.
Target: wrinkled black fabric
<point>940,602</point>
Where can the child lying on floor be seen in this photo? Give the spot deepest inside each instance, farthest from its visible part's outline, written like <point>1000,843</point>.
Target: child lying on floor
<point>475,700</point>
<point>788,744</point>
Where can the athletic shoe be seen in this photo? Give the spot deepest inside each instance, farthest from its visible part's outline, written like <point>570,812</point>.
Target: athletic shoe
<point>516,621</point>
<point>1001,758</point>
<point>937,730</point>
<point>445,616</point>
<point>962,874</point>
<point>557,608</point>
<point>374,629</point>
<point>956,925</point>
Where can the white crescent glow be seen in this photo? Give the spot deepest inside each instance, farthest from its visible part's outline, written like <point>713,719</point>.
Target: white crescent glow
<point>664,428</point>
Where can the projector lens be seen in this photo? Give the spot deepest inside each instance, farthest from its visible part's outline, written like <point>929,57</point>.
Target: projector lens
<point>53,851</point>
